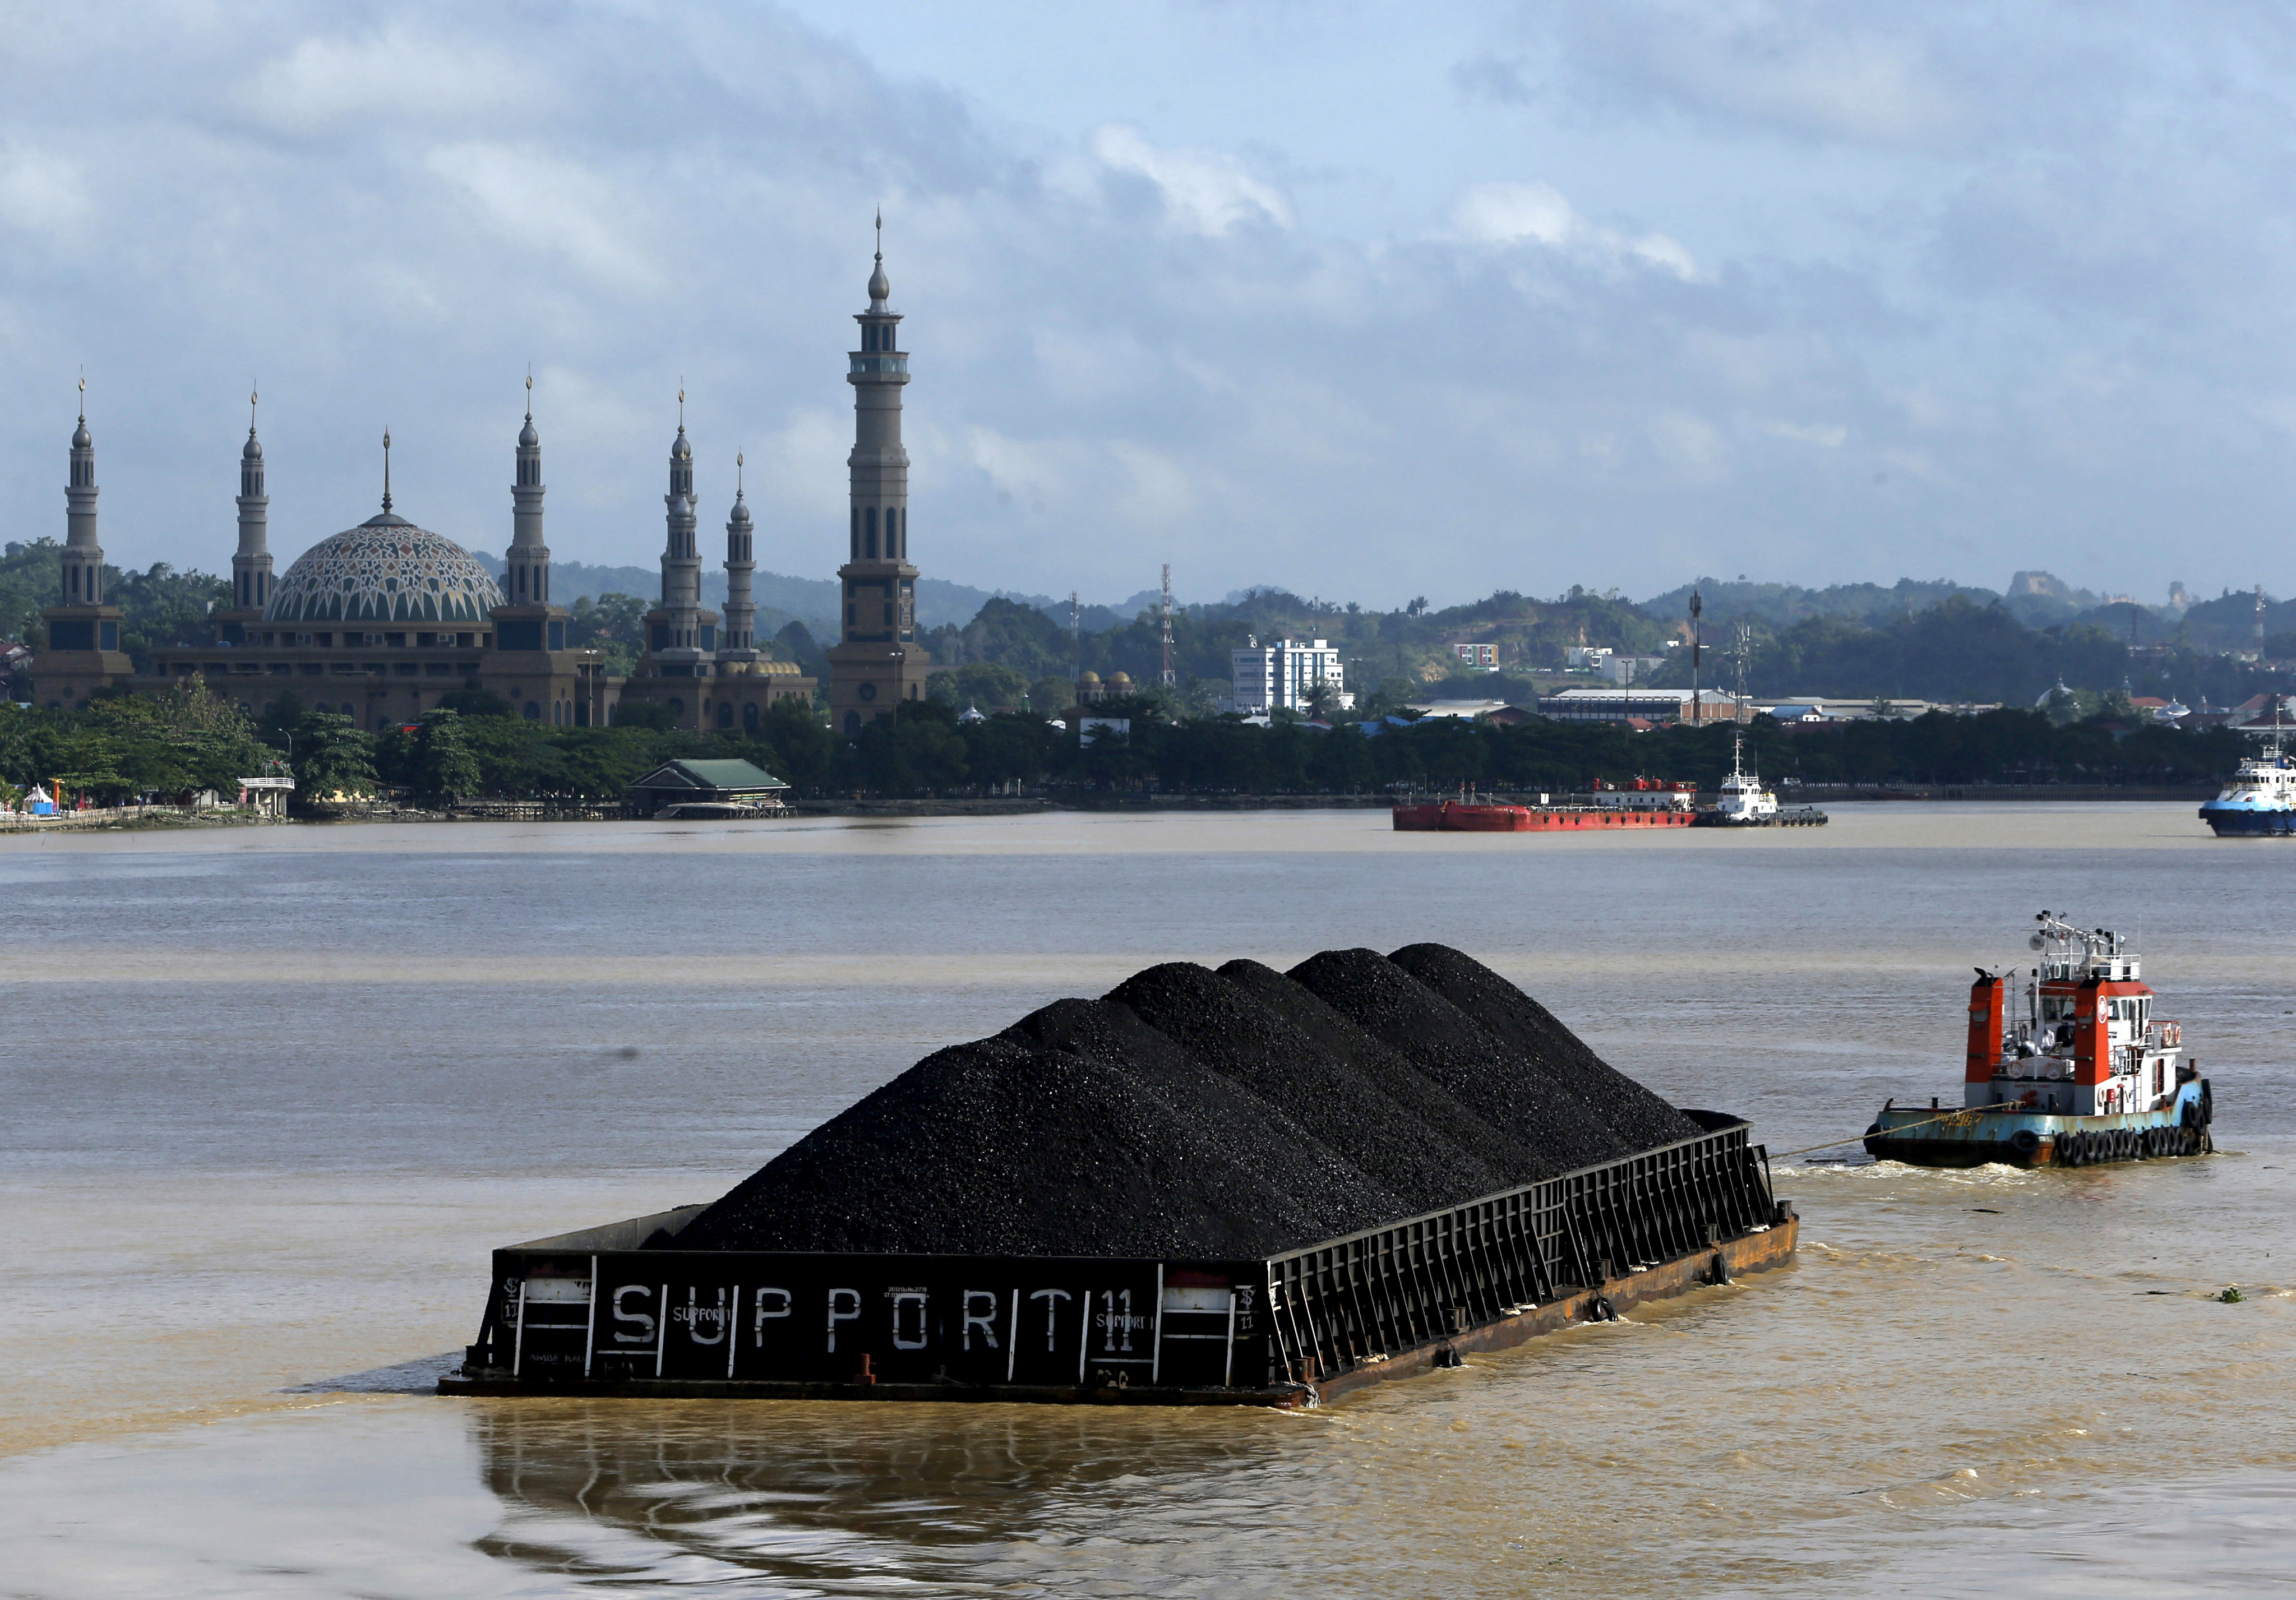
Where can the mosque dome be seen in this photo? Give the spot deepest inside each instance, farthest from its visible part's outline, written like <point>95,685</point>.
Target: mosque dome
<point>1089,677</point>
<point>385,570</point>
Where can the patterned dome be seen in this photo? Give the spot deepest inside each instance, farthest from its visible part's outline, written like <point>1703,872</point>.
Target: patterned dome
<point>385,570</point>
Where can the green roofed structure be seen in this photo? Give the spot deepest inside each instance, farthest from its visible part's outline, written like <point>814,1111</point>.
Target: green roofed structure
<point>730,785</point>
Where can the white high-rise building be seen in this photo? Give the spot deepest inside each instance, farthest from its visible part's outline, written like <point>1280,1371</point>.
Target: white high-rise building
<point>1267,677</point>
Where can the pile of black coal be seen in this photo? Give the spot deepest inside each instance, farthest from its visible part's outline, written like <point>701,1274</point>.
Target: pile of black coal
<point>1214,1115</point>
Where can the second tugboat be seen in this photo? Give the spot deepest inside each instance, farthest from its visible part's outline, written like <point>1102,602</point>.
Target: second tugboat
<point>2089,1075</point>
<point>1743,803</point>
<point>2258,800</point>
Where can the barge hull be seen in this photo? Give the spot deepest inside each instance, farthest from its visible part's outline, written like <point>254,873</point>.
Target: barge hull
<point>1727,1260</point>
<point>1984,1135</point>
<point>1449,818</point>
<point>621,1310</point>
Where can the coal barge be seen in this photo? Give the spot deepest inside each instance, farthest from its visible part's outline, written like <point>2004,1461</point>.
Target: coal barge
<point>1206,1188</point>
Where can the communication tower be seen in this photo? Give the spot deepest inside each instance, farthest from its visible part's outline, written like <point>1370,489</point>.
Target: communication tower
<point>1697,606</point>
<point>1170,677</point>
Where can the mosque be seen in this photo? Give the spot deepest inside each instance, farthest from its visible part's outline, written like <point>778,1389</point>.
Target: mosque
<point>384,620</point>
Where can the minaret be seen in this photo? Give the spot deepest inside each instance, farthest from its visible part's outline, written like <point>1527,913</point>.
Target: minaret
<point>877,661</point>
<point>83,650</point>
<point>680,636</point>
<point>681,558</point>
<point>525,580</point>
<point>526,621</point>
<point>251,566</point>
<point>741,563</point>
<point>83,556</point>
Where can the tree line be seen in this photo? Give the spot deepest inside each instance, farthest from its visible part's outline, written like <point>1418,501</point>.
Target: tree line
<point>169,745</point>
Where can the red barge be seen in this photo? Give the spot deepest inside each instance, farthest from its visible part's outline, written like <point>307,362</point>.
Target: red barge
<point>1647,803</point>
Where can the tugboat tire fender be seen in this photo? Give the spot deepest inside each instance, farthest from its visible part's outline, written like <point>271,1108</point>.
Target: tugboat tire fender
<point>2024,1141</point>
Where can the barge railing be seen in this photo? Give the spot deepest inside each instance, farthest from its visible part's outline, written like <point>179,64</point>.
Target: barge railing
<point>1338,1304</point>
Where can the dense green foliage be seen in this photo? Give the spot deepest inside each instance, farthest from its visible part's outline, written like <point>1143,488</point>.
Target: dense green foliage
<point>614,624</point>
<point>160,605</point>
<point>169,745</point>
<point>925,750</point>
<point>1960,650</point>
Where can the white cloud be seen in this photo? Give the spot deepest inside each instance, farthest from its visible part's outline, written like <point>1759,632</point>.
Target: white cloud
<point>1829,436</point>
<point>1804,67</point>
<point>1511,213</point>
<point>387,220</point>
<point>1691,444</point>
<point>1207,192</point>
<point>544,203</point>
<point>400,75</point>
<point>41,192</point>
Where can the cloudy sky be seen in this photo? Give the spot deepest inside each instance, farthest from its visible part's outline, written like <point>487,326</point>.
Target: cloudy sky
<point>1370,301</point>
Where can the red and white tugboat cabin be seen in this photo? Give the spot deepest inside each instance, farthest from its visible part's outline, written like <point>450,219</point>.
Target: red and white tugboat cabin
<point>2086,1074</point>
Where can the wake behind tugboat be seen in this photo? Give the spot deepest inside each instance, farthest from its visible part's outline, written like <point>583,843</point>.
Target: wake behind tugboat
<point>2089,1075</point>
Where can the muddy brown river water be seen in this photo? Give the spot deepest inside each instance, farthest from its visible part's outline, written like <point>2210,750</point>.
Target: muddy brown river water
<point>270,1096</point>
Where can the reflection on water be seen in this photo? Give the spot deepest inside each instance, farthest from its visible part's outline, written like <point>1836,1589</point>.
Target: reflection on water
<point>866,1498</point>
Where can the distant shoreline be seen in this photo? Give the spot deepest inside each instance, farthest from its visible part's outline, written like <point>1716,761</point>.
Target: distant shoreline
<point>131,819</point>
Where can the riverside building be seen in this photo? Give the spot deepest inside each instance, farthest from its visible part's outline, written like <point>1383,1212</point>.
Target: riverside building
<point>1283,676</point>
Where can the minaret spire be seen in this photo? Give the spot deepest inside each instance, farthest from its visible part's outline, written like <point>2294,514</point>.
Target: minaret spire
<point>681,561</point>
<point>526,573</point>
<point>83,557</point>
<point>878,661</point>
<point>386,470</point>
<point>83,649</point>
<point>741,565</point>
<point>251,565</point>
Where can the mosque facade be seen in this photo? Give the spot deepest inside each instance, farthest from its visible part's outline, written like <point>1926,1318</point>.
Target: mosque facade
<point>384,620</point>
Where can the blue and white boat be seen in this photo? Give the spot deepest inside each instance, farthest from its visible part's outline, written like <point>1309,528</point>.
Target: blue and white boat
<point>2260,799</point>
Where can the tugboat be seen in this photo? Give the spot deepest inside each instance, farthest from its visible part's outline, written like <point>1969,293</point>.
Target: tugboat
<point>1743,802</point>
<point>2087,1075</point>
<point>2260,797</point>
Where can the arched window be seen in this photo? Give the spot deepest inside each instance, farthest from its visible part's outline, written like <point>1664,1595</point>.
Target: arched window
<point>676,707</point>
<point>724,713</point>
<point>347,711</point>
<point>533,710</point>
<point>852,724</point>
<point>913,690</point>
<point>750,717</point>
